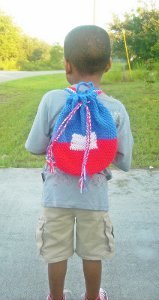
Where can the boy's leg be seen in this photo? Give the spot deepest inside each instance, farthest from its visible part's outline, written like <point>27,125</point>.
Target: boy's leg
<point>92,272</point>
<point>94,242</point>
<point>55,233</point>
<point>56,274</point>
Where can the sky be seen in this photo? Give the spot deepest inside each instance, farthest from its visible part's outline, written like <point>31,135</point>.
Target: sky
<point>51,20</point>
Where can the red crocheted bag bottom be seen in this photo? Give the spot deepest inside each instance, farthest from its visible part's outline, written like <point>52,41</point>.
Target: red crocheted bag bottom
<point>70,161</point>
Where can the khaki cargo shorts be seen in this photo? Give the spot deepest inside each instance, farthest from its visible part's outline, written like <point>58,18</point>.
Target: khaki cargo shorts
<point>63,231</point>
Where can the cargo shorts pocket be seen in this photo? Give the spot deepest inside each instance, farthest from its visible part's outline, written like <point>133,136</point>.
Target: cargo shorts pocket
<point>40,234</point>
<point>109,234</point>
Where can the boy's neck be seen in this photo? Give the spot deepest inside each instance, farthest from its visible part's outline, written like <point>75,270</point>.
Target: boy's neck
<point>96,79</point>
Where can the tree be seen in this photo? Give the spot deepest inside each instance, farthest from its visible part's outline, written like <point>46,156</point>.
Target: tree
<point>57,56</point>
<point>10,39</point>
<point>142,34</point>
<point>18,50</point>
<point>36,49</point>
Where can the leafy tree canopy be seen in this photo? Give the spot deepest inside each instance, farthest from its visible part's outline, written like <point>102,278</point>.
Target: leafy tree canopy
<point>142,34</point>
<point>10,39</point>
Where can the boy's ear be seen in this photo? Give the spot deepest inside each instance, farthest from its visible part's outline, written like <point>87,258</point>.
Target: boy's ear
<point>108,65</point>
<point>68,67</point>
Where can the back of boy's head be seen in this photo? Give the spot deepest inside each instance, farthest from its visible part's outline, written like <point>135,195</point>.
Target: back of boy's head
<point>88,48</point>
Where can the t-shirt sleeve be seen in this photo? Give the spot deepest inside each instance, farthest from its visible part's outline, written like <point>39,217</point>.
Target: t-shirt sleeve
<point>125,142</point>
<point>39,136</point>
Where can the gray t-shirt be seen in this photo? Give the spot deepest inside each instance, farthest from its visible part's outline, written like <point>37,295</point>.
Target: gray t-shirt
<point>60,189</point>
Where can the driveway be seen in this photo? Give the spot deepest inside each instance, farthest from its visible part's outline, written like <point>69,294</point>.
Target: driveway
<point>133,274</point>
<point>13,75</point>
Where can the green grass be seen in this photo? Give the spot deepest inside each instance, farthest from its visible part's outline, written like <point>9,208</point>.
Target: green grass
<point>142,103</point>
<point>19,101</point>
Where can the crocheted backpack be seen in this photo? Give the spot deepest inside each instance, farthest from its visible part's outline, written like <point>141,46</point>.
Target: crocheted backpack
<point>84,138</point>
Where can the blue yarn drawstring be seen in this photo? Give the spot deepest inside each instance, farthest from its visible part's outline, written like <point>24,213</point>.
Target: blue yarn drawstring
<point>82,96</point>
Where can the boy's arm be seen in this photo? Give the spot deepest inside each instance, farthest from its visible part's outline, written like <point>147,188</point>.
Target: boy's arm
<point>125,142</point>
<point>39,137</point>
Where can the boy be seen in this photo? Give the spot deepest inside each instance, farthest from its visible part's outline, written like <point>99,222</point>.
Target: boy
<point>87,56</point>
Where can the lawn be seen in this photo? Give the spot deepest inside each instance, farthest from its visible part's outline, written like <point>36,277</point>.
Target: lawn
<point>19,101</point>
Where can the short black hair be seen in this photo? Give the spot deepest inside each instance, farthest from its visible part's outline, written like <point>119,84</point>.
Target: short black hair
<point>88,48</point>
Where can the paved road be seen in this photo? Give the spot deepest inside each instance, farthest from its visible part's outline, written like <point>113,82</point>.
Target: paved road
<point>13,75</point>
<point>133,274</point>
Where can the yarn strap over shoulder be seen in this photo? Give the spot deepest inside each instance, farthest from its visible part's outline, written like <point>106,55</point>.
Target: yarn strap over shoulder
<point>84,139</point>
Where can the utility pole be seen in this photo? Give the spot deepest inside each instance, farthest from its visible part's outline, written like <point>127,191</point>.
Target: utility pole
<point>94,12</point>
<point>126,49</point>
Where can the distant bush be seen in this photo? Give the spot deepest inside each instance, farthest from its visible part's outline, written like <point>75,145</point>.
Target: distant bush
<point>39,66</point>
<point>30,66</point>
